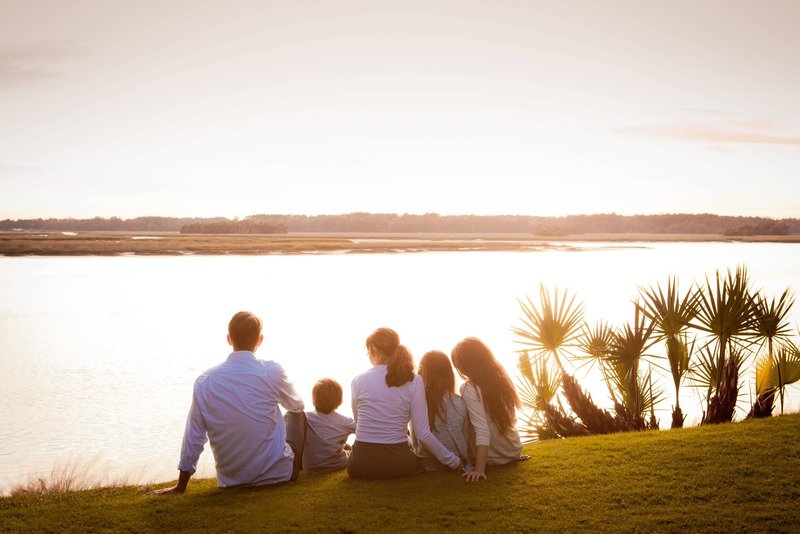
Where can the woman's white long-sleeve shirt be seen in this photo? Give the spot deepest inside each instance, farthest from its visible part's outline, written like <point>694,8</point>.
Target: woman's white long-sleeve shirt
<point>382,413</point>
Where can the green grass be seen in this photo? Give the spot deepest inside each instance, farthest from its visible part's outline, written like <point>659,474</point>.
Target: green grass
<point>733,477</point>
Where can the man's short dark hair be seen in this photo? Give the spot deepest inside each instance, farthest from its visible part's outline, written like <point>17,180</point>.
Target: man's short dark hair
<point>326,395</point>
<point>245,330</point>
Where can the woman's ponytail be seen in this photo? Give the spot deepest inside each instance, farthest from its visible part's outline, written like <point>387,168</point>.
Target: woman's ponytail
<point>399,367</point>
<point>399,364</point>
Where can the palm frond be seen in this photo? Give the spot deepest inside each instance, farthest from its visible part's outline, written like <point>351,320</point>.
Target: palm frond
<point>629,342</point>
<point>635,390</point>
<point>703,374</point>
<point>670,311</point>
<point>725,309</point>
<point>551,327</point>
<point>594,344</point>
<point>772,316</point>
<point>679,355</point>
<point>787,364</point>
<point>540,386</point>
<point>787,368</point>
<point>766,374</point>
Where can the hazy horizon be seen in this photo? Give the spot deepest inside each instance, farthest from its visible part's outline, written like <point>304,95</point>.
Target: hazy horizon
<point>534,108</point>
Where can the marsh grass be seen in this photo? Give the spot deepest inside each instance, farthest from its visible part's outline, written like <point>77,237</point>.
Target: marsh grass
<point>740,477</point>
<point>116,243</point>
<point>109,244</point>
<point>74,475</point>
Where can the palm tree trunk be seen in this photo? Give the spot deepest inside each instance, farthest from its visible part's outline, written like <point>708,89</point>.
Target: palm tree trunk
<point>595,419</point>
<point>677,417</point>
<point>723,404</point>
<point>765,403</point>
<point>677,414</point>
<point>563,425</point>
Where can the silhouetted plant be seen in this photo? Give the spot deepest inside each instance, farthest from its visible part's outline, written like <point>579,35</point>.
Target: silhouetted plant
<point>562,425</point>
<point>671,315</point>
<point>725,311</point>
<point>551,328</point>
<point>595,419</point>
<point>628,346</point>
<point>771,323</point>
<point>732,318</point>
<point>787,368</point>
<point>766,387</point>
<point>538,389</point>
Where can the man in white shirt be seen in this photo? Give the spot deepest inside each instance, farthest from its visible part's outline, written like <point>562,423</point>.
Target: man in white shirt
<point>235,407</point>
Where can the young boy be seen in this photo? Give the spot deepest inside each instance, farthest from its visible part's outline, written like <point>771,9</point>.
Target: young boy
<point>327,431</point>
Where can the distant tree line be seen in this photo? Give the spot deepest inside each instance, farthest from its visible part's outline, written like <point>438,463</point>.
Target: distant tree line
<point>760,228</point>
<point>101,224</point>
<point>609,223</point>
<point>548,226</point>
<point>247,226</point>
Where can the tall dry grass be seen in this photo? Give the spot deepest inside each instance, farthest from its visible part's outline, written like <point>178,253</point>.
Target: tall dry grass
<point>76,475</point>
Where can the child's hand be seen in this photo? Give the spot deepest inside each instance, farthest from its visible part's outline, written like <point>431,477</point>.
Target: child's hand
<point>473,476</point>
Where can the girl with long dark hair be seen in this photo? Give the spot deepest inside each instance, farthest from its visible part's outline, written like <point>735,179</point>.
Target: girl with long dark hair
<point>491,401</point>
<point>385,399</point>
<point>447,412</point>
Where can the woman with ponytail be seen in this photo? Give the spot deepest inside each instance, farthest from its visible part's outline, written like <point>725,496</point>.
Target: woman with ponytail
<point>385,399</point>
<point>491,401</point>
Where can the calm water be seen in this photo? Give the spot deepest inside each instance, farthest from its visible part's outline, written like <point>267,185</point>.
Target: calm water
<point>98,355</point>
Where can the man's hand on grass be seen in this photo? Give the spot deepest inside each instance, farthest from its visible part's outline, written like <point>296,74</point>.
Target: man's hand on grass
<point>174,490</point>
<point>177,489</point>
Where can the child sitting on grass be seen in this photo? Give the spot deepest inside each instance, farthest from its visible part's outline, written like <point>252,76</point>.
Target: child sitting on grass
<point>492,402</point>
<point>325,450</point>
<point>447,413</point>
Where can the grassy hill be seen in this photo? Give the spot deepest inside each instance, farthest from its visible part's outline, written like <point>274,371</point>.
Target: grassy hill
<point>727,478</point>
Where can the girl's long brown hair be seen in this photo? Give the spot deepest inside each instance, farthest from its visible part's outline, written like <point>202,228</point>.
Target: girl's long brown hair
<point>474,361</point>
<point>437,375</point>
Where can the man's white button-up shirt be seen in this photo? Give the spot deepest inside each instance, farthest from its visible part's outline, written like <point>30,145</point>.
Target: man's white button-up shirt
<point>235,407</point>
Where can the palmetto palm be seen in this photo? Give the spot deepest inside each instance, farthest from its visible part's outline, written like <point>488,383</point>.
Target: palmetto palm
<point>551,328</point>
<point>547,331</point>
<point>628,346</point>
<point>726,312</point>
<point>787,367</point>
<point>671,314</point>
<point>771,323</point>
<point>595,347</point>
<point>537,389</point>
<point>703,376</point>
<point>539,386</point>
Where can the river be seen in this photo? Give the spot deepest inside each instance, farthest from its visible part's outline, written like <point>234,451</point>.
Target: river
<point>98,354</point>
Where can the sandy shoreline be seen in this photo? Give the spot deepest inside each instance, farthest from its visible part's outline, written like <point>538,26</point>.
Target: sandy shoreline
<point>175,244</point>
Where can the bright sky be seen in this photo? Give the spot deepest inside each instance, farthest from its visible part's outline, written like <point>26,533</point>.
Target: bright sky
<point>205,108</point>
